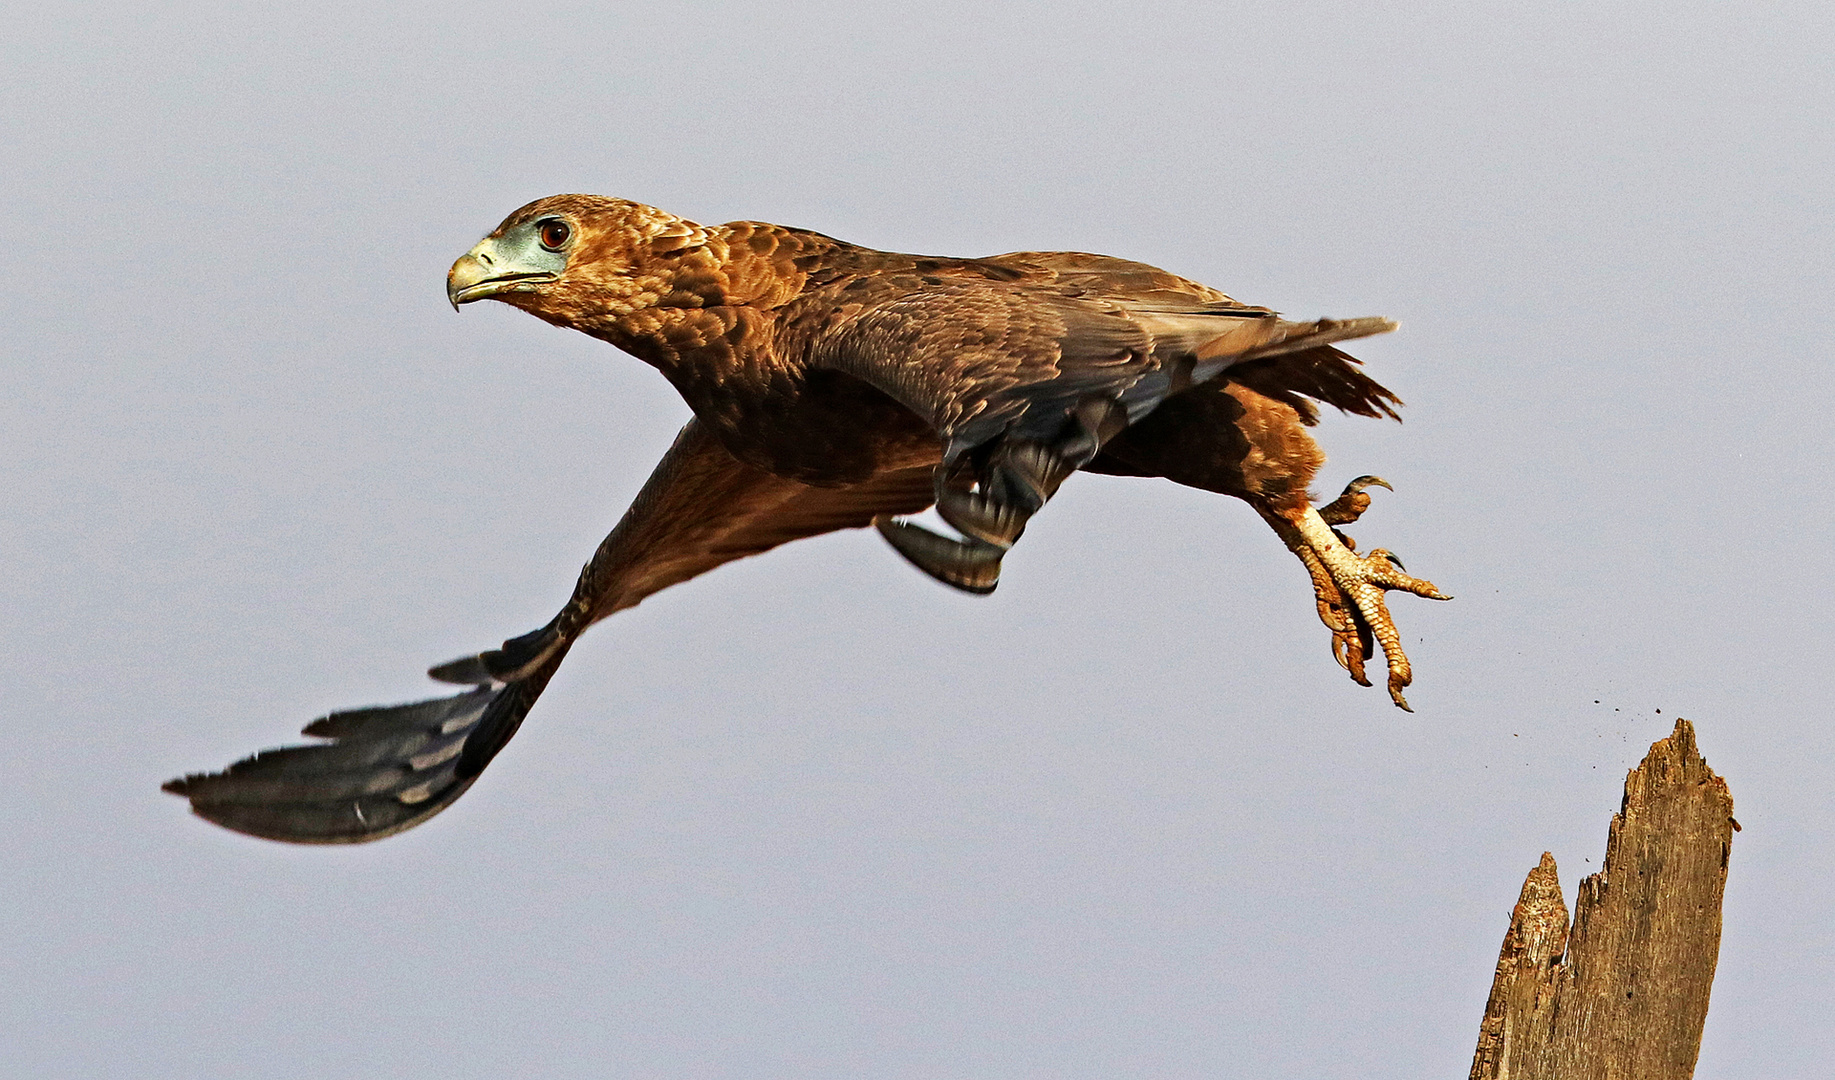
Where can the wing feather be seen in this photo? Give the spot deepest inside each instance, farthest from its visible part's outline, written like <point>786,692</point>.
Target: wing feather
<point>703,507</point>
<point>977,357</point>
<point>386,769</point>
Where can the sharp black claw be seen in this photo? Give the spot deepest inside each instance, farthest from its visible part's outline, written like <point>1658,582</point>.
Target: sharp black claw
<point>1352,502</point>
<point>969,565</point>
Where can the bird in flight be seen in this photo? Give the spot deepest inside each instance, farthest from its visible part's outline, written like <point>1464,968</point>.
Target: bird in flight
<point>835,387</point>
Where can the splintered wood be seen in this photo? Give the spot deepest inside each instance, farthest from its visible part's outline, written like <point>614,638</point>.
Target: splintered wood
<point>1624,993</point>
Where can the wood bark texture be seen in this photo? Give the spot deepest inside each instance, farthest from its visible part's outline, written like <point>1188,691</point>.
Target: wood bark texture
<point>1623,994</point>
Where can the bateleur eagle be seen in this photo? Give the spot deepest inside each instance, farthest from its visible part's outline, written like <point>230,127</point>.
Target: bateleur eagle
<point>834,387</point>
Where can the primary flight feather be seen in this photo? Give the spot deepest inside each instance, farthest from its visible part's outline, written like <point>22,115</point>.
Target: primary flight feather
<point>833,387</point>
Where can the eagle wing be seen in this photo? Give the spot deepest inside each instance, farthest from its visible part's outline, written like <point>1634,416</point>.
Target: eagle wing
<point>388,768</point>
<point>1016,348</point>
<point>702,507</point>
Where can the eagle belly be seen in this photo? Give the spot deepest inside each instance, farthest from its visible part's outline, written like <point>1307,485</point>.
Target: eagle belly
<point>1220,436</point>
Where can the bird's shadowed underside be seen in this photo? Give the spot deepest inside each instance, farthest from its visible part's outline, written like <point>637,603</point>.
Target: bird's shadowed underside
<point>835,387</point>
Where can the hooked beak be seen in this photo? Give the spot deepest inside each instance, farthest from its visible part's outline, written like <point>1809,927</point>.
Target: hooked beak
<point>487,270</point>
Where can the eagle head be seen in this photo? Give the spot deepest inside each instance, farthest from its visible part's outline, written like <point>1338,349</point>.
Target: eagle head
<point>576,259</point>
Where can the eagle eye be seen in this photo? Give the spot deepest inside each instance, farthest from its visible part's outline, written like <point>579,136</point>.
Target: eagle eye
<point>554,234</point>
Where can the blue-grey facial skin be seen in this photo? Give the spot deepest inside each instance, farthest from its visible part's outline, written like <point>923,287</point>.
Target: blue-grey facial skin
<point>813,815</point>
<point>515,261</point>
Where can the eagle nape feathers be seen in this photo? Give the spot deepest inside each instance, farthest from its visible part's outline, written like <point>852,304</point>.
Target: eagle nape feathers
<point>834,387</point>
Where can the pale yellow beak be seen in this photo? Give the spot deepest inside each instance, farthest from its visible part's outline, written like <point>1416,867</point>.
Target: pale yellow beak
<point>498,265</point>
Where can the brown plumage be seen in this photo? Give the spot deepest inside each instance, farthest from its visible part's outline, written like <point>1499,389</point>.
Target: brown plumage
<point>836,386</point>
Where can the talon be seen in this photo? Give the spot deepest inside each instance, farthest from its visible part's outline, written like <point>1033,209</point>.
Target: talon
<point>969,565</point>
<point>1349,649</point>
<point>1352,502</point>
<point>1350,589</point>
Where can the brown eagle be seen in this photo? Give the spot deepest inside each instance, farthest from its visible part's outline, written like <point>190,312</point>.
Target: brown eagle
<point>834,387</point>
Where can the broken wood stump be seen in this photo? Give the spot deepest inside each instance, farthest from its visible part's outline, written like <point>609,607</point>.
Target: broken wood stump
<point>1623,994</point>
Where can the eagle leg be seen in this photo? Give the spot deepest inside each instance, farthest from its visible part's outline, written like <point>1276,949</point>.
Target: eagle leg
<point>1349,587</point>
<point>1351,640</point>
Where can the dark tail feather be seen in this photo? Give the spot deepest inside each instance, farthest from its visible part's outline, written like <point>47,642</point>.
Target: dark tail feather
<point>1319,374</point>
<point>1300,336</point>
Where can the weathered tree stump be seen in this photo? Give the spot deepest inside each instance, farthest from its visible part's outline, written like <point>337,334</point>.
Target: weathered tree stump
<point>1622,995</point>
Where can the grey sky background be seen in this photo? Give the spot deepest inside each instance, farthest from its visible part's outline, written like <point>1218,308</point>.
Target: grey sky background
<point>813,815</point>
